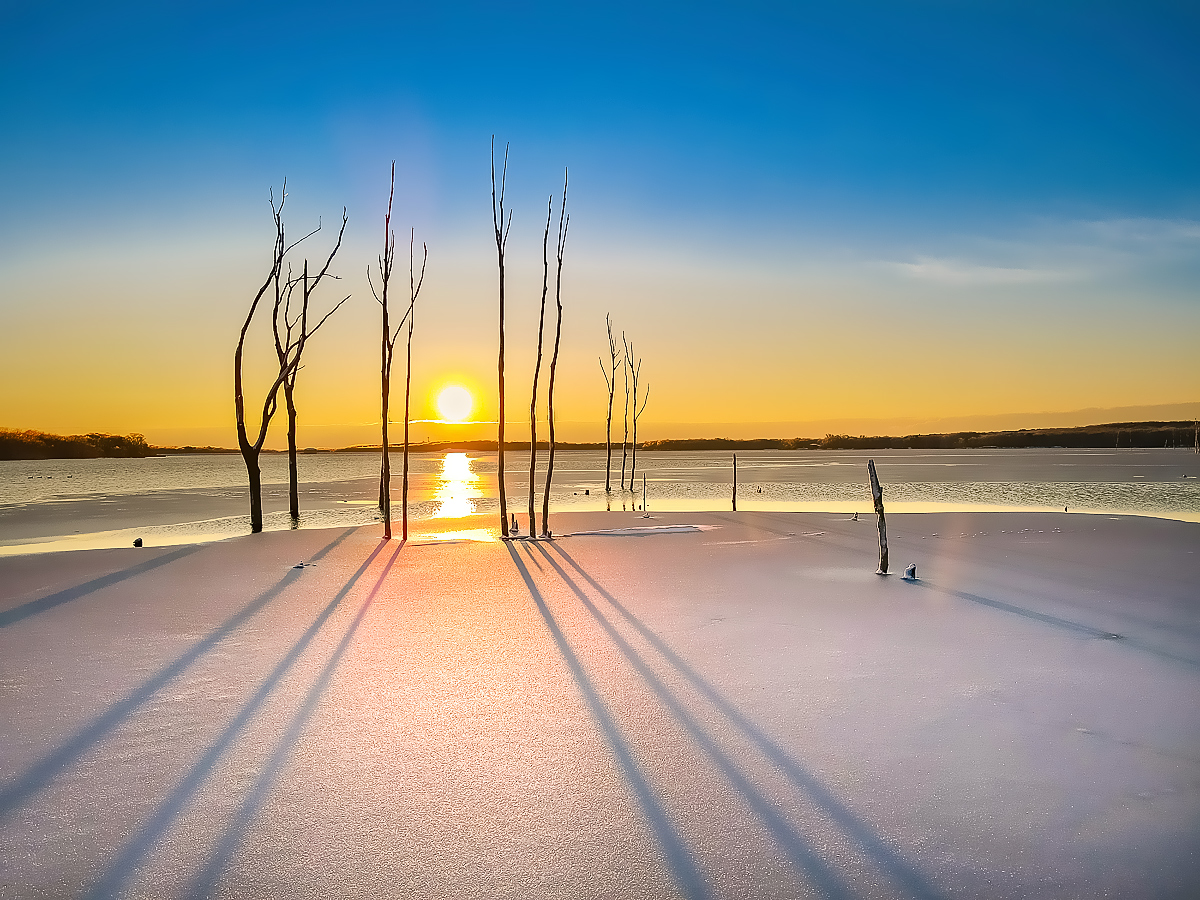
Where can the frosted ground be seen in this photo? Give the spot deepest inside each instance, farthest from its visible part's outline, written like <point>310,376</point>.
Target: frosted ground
<point>740,708</point>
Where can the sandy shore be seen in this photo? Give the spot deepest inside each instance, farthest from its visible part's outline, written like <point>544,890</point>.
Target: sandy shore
<point>738,708</point>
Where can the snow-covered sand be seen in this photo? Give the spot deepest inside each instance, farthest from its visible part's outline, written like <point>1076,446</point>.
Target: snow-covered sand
<point>745,710</point>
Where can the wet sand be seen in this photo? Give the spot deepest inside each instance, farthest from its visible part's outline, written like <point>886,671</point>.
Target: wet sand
<point>738,708</point>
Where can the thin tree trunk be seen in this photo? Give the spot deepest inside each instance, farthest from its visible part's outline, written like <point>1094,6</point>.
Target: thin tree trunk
<point>735,482</point>
<point>625,436</point>
<point>293,473</point>
<point>385,366</point>
<point>635,372</point>
<point>608,447</point>
<point>413,290</point>
<point>407,394</point>
<point>385,471</point>
<point>537,369</point>
<point>501,230</point>
<point>563,222</point>
<point>611,383</point>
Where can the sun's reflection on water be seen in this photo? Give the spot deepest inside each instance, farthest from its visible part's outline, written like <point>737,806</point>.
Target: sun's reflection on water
<point>457,491</point>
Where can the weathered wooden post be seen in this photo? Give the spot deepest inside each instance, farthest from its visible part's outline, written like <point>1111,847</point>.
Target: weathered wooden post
<point>735,482</point>
<point>877,496</point>
<point>643,492</point>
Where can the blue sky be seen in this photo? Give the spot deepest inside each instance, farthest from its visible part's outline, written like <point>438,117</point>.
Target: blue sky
<point>993,145</point>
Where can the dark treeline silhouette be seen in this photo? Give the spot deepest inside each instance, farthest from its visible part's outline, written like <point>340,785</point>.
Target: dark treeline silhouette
<point>731,444</point>
<point>1147,435</point>
<point>40,445</point>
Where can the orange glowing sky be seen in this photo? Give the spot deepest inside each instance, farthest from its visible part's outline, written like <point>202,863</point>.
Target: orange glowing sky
<point>805,223</point>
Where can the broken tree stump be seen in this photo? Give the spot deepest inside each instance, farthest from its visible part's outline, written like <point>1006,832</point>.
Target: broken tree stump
<point>877,496</point>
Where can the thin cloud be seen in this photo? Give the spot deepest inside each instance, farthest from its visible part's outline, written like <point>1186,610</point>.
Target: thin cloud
<point>1062,251</point>
<point>962,273</point>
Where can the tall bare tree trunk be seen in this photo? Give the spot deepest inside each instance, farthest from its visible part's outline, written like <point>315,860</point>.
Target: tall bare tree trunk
<point>501,229</point>
<point>407,413</point>
<point>293,470</point>
<point>414,289</point>
<point>387,345</point>
<point>635,372</point>
<point>563,222</point>
<point>537,369</point>
<point>625,436</point>
<point>610,382</point>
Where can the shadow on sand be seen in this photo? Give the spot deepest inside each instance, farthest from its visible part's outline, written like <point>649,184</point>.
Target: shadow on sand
<point>135,851</point>
<point>33,607</point>
<point>205,883</point>
<point>683,868</point>
<point>801,852</point>
<point>1062,624</point>
<point>43,772</point>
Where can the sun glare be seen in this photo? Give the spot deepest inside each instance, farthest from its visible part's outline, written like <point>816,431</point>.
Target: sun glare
<point>455,403</point>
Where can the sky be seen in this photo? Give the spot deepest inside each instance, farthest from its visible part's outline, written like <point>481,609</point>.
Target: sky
<point>807,217</point>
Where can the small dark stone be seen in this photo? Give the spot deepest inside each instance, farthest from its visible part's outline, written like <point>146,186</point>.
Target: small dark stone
<point>137,542</point>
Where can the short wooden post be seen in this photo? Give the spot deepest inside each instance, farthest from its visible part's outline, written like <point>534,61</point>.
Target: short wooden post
<point>735,482</point>
<point>877,496</point>
<point>643,492</point>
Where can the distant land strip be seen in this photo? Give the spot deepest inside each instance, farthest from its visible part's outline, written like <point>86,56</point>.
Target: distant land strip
<point>1145,435</point>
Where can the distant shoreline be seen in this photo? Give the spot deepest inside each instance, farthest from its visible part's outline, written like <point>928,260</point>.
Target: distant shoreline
<point>33,445</point>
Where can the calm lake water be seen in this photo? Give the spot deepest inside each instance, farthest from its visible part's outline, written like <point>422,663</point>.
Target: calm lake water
<point>56,504</point>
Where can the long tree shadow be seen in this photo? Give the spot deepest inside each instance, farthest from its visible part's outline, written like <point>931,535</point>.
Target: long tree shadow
<point>135,851</point>
<point>800,851</point>
<point>683,869</point>
<point>858,831</point>
<point>45,770</point>
<point>205,883</point>
<point>1056,622</point>
<point>33,607</point>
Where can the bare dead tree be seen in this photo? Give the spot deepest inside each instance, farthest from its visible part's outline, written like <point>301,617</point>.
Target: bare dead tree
<point>250,450</point>
<point>635,372</point>
<point>414,290</point>
<point>537,370</point>
<point>288,358</point>
<point>610,381</point>
<point>501,229</point>
<point>292,332</point>
<point>564,222</point>
<point>625,437</point>
<point>387,347</point>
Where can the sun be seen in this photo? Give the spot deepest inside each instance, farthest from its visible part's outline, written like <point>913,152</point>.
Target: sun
<point>454,403</point>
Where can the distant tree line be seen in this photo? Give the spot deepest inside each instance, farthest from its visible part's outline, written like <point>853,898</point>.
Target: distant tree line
<point>40,445</point>
<point>1147,435</point>
<point>732,444</point>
